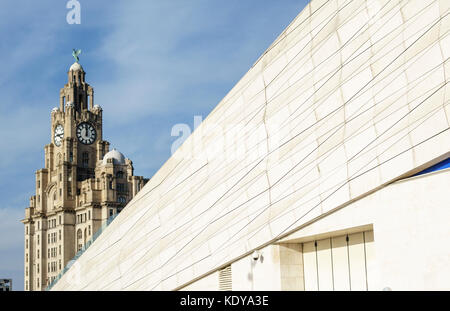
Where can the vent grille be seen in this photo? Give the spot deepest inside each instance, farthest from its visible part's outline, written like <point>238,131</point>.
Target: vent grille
<point>225,279</point>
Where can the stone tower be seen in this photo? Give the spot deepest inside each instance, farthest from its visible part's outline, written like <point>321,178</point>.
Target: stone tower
<point>82,184</point>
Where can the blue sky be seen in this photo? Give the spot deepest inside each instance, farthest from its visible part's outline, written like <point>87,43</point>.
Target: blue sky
<point>152,63</point>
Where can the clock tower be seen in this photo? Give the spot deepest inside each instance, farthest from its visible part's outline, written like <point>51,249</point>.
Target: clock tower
<point>82,184</point>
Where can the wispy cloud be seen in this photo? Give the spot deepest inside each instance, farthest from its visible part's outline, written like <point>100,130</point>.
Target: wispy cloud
<point>152,63</point>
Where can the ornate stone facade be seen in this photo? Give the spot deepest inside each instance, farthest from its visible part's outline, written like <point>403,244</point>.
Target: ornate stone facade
<point>82,184</point>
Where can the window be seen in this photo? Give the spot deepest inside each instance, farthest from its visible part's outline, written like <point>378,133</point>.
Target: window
<point>85,159</point>
<point>38,238</point>
<point>60,235</point>
<point>26,243</point>
<point>48,253</point>
<point>60,177</point>
<point>60,192</point>
<point>119,174</point>
<point>59,221</point>
<point>38,225</point>
<point>121,200</point>
<point>39,184</point>
<point>79,238</point>
<point>120,187</point>
<point>89,229</point>
<point>37,268</point>
<point>89,215</point>
<point>38,254</point>
<point>60,249</point>
<point>111,212</point>
<point>71,156</point>
<point>110,184</point>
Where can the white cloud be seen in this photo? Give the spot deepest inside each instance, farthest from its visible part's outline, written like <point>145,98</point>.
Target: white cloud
<point>152,63</point>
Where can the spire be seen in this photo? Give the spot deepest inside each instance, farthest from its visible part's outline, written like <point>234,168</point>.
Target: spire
<point>77,91</point>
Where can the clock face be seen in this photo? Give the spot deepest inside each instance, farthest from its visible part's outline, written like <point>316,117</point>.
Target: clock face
<point>59,134</point>
<point>86,133</point>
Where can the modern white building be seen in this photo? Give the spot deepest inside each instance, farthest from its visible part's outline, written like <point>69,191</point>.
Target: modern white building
<point>305,176</point>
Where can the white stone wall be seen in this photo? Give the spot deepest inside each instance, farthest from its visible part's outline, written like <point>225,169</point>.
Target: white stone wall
<point>411,232</point>
<point>351,96</point>
<point>210,282</point>
<point>411,238</point>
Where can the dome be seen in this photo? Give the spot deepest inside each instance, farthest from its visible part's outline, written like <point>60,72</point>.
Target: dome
<point>118,158</point>
<point>76,67</point>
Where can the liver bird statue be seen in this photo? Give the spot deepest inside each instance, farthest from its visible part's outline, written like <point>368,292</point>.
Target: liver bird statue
<point>75,54</point>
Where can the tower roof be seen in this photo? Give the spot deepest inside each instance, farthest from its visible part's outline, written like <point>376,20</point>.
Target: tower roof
<point>76,67</point>
<point>117,156</point>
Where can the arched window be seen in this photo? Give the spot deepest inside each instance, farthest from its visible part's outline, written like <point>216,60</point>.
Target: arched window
<point>85,159</point>
<point>121,200</point>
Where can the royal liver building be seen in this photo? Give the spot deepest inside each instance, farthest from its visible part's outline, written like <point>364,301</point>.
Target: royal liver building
<point>82,184</point>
